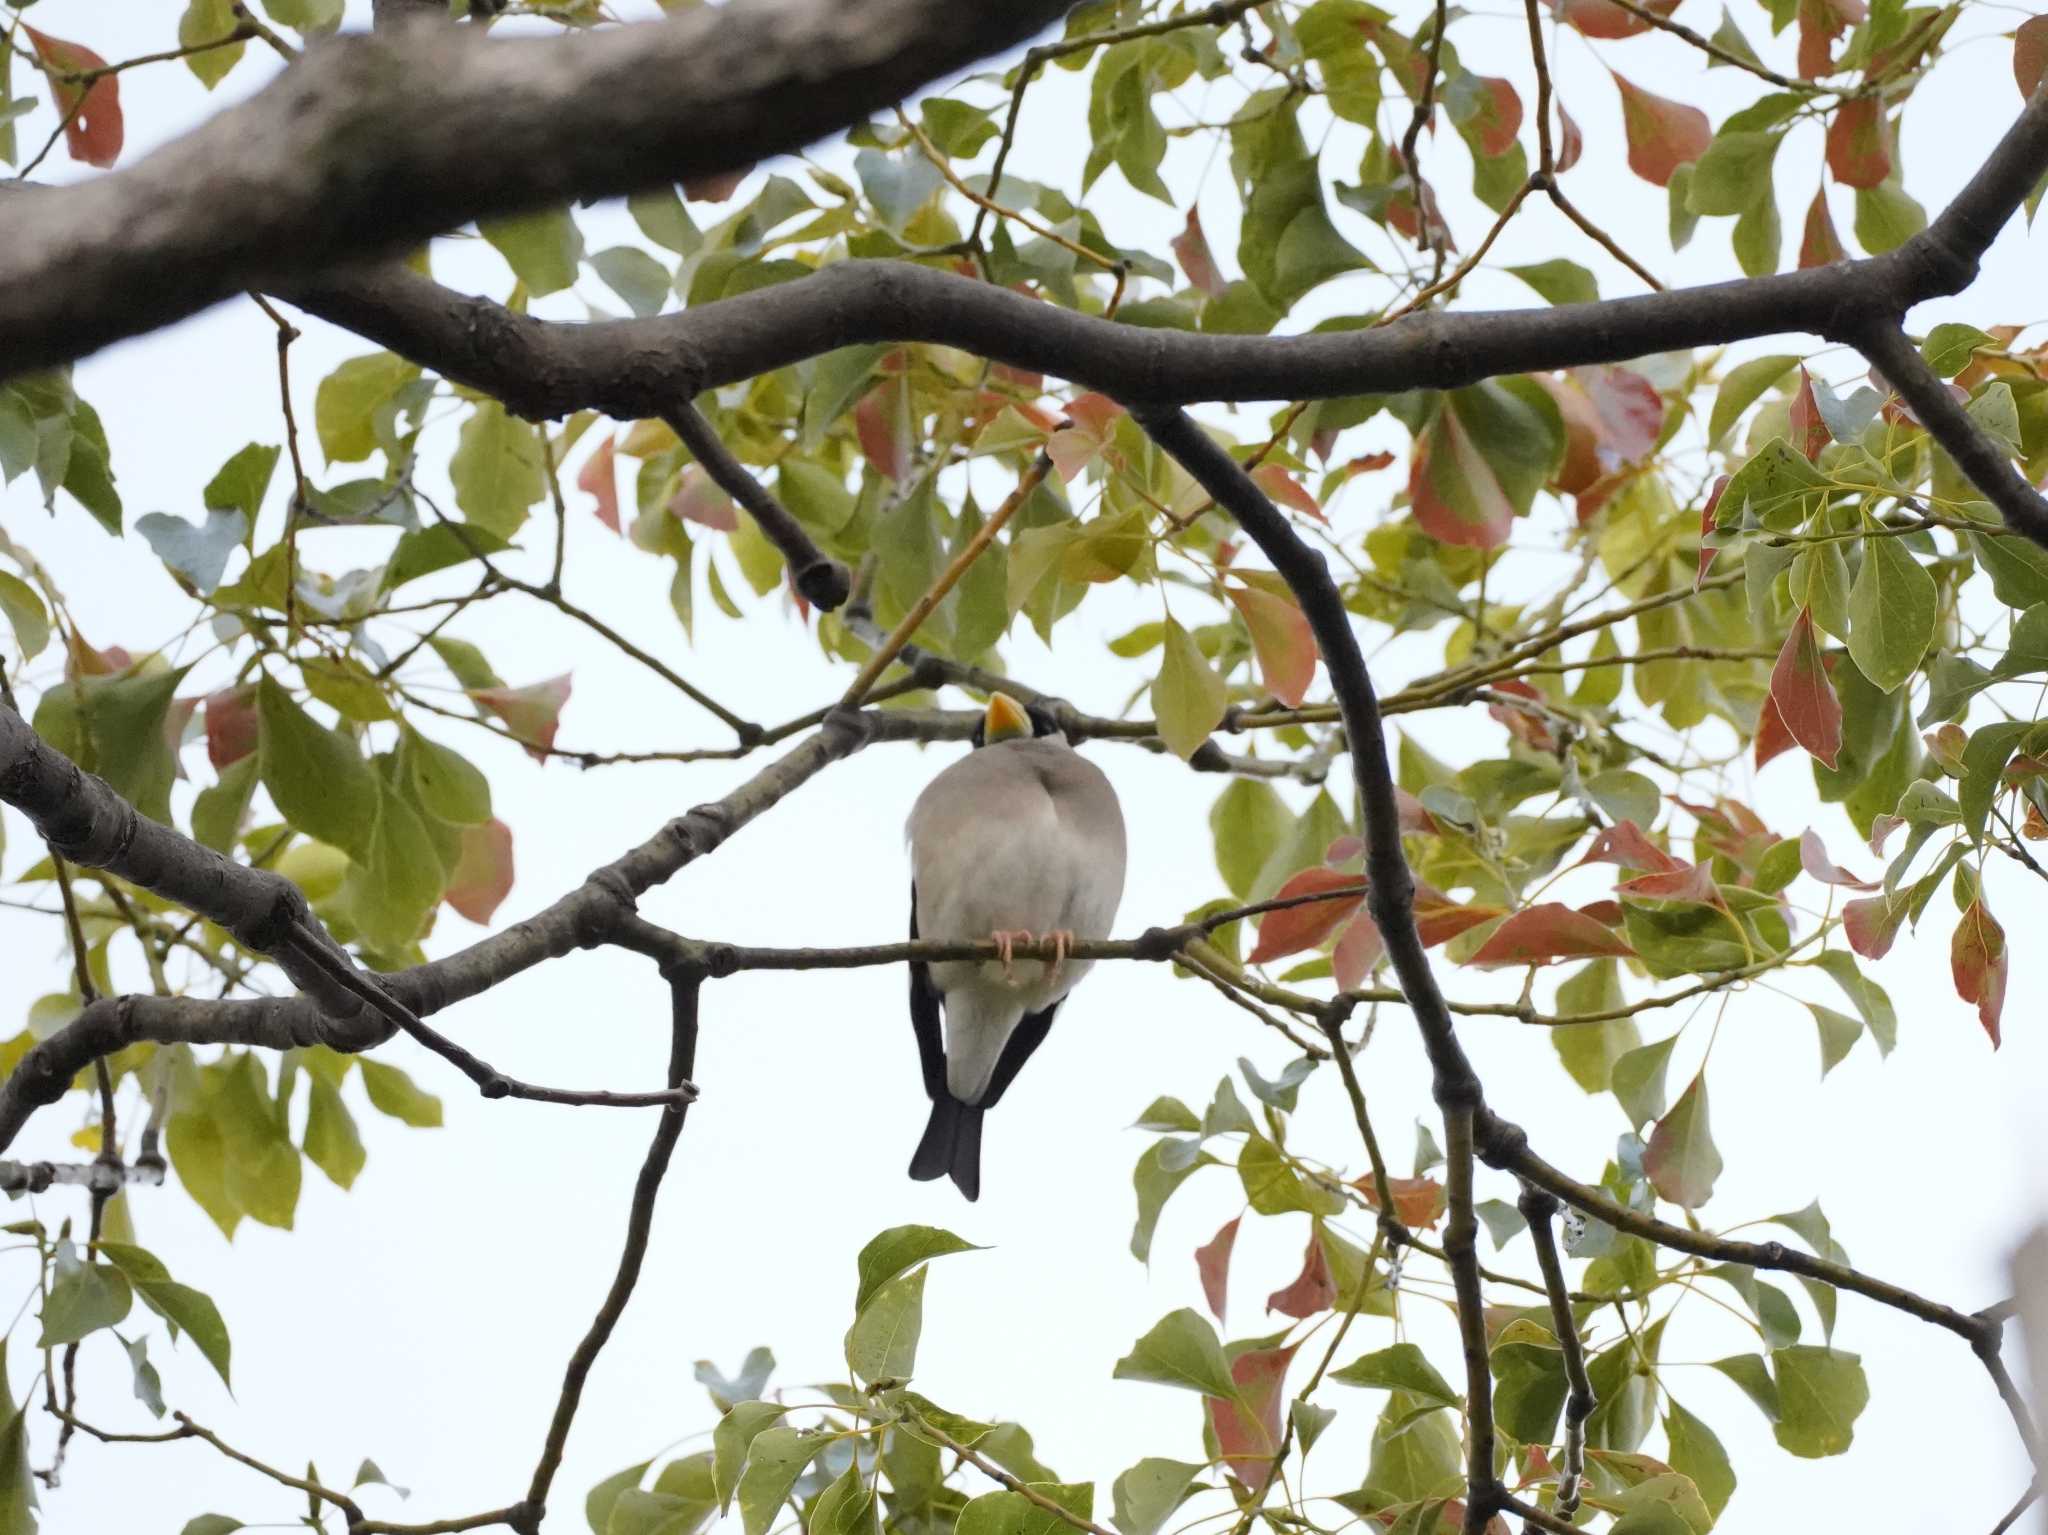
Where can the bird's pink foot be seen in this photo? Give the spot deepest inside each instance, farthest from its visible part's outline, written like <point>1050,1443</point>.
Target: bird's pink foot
<point>1006,943</point>
<point>1062,940</point>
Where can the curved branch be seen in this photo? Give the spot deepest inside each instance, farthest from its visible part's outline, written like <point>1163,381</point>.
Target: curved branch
<point>823,581</point>
<point>372,143</point>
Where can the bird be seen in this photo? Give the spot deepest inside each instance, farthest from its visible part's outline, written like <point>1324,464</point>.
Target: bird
<point>1020,839</point>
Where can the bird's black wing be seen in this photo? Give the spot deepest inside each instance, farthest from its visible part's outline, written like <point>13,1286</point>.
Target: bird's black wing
<point>1028,1036</point>
<point>924,1018</point>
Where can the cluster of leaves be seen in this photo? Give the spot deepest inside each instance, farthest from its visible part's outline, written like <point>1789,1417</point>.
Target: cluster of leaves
<point>1769,564</point>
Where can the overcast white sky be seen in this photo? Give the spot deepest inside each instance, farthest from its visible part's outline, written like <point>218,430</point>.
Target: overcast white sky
<point>423,1318</point>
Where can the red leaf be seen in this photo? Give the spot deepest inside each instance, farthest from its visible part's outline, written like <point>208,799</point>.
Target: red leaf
<point>1456,497</point>
<point>715,189</point>
<point>1871,925</point>
<point>82,659</point>
<point>1773,735</point>
<point>1809,432</point>
<point>1524,725</point>
<point>1191,250</point>
<point>1091,419</point>
<point>1604,19</point>
<point>1248,1428</point>
<point>1820,23</point>
<point>1281,638</point>
<point>1499,120</point>
<point>1287,490</point>
<point>1662,134</point>
<point>1820,245</point>
<point>483,872</point>
<point>881,421</point>
<point>2030,53</point>
<point>1978,960</point>
<point>532,713</point>
<point>1881,829</point>
<point>1439,919</point>
<point>1366,462</point>
<point>1624,845</point>
<point>1343,850</point>
<point>1813,858</point>
<point>1294,928</point>
<point>93,133</point>
<point>1550,931</point>
<point>1805,698</point>
<point>1418,1202</point>
<point>1858,153</point>
<point>1687,882</point>
<point>698,499</point>
<point>1570,142</point>
<point>1310,1292</point>
<point>1415,816</point>
<point>598,478</point>
<point>1707,513</point>
<point>1212,1262</point>
<point>230,725</point>
<point>1359,948</point>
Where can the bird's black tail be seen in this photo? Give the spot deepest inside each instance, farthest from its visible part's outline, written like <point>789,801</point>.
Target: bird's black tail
<point>951,1145</point>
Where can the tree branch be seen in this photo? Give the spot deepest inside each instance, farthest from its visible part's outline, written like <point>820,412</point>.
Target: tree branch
<point>1538,1207</point>
<point>369,145</point>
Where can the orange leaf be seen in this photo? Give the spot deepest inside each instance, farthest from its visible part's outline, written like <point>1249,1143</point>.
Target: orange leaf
<point>699,499</point>
<point>1857,151</point>
<point>1281,638</point>
<point>1212,1262</point>
<point>230,725</point>
<point>1551,931</point>
<point>1310,1292</point>
<point>1418,1202</point>
<point>483,871</point>
<point>1978,961</point>
<point>1570,142</point>
<point>1359,948</point>
<point>1604,19</point>
<point>1287,490</point>
<point>1662,134</point>
<point>1809,432</point>
<point>1248,1428</point>
<point>1439,919</point>
<point>1871,925</point>
<point>1499,120</point>
<point>881,421</point>
<point>1820,245</point>
<point>1191,250</point>
<point>715,189</point>
<point>598,478</point>
<point>93,132</point>
<point>1294,928</point>
<point>1624,845</point>
<point>1772,734</point>
<point>1804,697</point>
<point>1456,497</point>
<point>2030,53</point>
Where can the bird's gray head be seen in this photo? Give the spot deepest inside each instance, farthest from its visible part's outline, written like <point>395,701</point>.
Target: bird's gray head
<point>1007,720</point>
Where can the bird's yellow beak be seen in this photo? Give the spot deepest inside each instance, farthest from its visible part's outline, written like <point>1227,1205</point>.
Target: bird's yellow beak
<point>1005,719</point>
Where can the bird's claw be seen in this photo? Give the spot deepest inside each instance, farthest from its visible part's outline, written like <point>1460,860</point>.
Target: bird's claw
<point>1062,940</point>
<point>1006,943</point>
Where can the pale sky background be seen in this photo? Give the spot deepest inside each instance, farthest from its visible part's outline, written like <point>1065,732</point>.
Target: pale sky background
<point>423,1319</point>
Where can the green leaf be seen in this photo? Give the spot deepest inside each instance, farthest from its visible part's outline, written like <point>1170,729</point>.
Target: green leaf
<point>205,1524</point>
<point>1696,1453</point>
<point>1011,1513</point>
<point>85,1298</point>
<point>1948,347</point>
<point>332,1142</point>
<point>497,469</point>
<point>393,888</point>
<point>846,1507</point>
<point>1273,1187</point>
<point>318,778</point>
<point>1886,217</point>
<point>1682,1161</point>
<point>1734,174</point>
<point>241,483</point>
<point>394,1093</point>
<point>1146,1495</point>
<point>1155,1182</point>
<point>774,1462</point>
<point>732,1439</point>
<point>26,613</point>
<point>1838,1034</point>
<point>1745,384</point>
<point>1821,1392</point>
<point>346,404</point>
<point>542,248</point>
<point>177,1304</point>
<point>1559,281</point>
<point>17,1484</point>
<point>1182,1351</point>
<point>1415,1454</point>
<point>1399,1367</point>
<point>1588,1051</point>
<point>1188,697</point>
<point>1638,1081</point>
<point>882,1343</point>
<point>635,276</point>
<point>1248,821</point>
<point>200,552</point>
<point>449,786</point>
<point>1529,1384</point>
<point>1891,613</point>
<point>601,1499</point>
<point>899,1249</point>
<point>207,21</point>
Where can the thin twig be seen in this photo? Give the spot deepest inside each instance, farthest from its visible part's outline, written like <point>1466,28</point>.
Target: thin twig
<point>1538,1208</point>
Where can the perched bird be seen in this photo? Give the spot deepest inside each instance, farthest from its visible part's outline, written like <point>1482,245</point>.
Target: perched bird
<point>1021,838</point>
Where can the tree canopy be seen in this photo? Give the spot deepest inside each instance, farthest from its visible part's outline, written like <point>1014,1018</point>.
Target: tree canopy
<point>853,373</point>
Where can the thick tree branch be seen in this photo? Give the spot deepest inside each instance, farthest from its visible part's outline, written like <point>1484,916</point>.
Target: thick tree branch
<point>1987,465</point>
<point>372,143</point>
<point>1391,893</point>
<point>823,581</point>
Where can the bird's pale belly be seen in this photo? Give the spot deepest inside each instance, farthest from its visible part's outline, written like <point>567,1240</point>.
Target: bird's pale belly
<point>1019,890</point>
